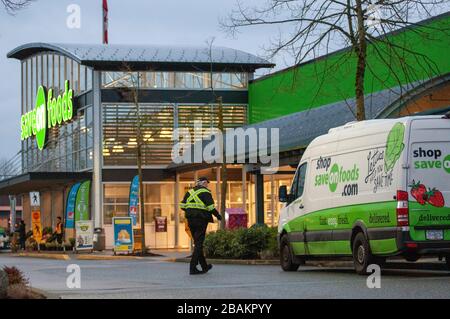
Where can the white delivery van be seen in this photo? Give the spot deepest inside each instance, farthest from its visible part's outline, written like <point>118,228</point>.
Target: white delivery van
<point>370,190</point>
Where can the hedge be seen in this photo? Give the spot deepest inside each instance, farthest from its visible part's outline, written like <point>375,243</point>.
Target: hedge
<point>256,242</point>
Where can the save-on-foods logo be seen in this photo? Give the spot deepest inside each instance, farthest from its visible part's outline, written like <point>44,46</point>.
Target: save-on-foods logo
<point>48,112</point>
<point>431,159</point>
<point>338,174</point>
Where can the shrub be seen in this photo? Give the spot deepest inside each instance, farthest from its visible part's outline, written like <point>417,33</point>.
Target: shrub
<point>252,243</point>
<point>29,234</point>
<point>31,244</point>
<point>47,230</point>
<point>15,276</point>
<point>51,245</point>
<point>21,291</point>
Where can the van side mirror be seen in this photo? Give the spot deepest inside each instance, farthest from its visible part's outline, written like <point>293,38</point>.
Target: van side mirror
<point>283,194</point>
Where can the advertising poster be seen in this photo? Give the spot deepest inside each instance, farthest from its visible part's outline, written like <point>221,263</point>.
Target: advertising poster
<point>82,201</point>
<point>134,200</point>
<point>123,234</point>
<point>36,225</point>
<point>70,207</point>
<point>85,235</point>
<point>161,224</point>
<point>235,218</point>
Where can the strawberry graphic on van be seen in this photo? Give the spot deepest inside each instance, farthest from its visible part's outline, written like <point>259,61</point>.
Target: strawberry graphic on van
<point>435,198</point>
<point>419,192</point>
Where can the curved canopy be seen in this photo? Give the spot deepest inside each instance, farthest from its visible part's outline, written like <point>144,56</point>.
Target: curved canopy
<point>99,54</point>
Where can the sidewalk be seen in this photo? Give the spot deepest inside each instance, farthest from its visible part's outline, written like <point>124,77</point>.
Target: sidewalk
<point>160,254</point>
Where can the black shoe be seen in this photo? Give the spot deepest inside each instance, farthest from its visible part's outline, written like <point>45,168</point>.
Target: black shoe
<point>208,268</point>
<point>196,272</point>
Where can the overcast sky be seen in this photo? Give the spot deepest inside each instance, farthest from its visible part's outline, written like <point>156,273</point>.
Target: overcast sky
<point>130,22</point>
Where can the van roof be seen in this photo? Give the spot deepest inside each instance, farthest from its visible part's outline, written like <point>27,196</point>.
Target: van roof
<point>359,129</point>
<point>378,122</point>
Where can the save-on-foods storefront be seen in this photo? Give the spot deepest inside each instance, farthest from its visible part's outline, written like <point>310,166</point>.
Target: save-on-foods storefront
<point>79,121</point>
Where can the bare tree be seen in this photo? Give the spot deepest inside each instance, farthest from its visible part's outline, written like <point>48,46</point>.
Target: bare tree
<point>310,28</point>
<point>12,6</point>
<point>223,166</point>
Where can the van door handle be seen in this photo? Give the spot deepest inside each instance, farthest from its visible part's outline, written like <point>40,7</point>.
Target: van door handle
<point>301,206</point>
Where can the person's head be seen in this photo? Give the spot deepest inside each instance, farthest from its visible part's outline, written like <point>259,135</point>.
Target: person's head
<point>202,181</point>
<point>58,219</point>
<point>22,222</point>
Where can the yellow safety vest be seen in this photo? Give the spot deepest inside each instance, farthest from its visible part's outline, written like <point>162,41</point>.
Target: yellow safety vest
<point>194,201</point>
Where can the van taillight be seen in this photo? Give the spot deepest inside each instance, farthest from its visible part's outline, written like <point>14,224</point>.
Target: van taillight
<point>402,209</point>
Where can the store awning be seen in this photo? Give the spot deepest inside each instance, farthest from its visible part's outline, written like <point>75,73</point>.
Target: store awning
<point>36,181</point>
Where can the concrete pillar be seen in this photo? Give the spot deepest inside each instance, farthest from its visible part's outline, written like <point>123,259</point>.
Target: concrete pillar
<point>97,187</point>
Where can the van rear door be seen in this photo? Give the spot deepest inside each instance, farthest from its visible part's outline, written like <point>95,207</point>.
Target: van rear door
<point>429,179</point>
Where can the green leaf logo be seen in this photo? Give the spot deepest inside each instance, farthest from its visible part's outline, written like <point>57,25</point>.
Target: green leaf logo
<point>394,146</point>
<point>41,118</point>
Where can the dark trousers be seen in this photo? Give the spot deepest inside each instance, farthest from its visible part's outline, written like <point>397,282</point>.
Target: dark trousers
<point>198,231</point>
<point>22,242</point>
<point>59,238</point>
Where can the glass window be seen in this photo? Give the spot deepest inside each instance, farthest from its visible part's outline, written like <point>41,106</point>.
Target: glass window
<point>116,197</point>
<point>24,86</point>
<point>45,70</point>
<point>301,180</point>
<point>56,74</point>
<point>82,78</point>
<point>51,71</point>
<point>62,73</point>
<point>88,79</point>
<point>33,81</point>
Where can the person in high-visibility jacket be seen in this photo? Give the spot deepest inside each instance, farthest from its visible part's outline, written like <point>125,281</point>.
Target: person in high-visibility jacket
<point>198,205</point>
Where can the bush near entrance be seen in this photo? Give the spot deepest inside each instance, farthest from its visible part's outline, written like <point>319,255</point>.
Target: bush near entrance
<point>256,242</point>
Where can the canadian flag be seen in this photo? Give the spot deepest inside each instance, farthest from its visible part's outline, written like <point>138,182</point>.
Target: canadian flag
<point>105,21</point>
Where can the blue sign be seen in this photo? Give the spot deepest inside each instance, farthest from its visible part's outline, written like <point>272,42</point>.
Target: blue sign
<point>123,234</point>
<point>70,206</point>
<point>134,200</point>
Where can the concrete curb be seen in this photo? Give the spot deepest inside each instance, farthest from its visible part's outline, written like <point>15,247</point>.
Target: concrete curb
<point>103,257</point>
<point>43,255</point>
<point>232,261</point>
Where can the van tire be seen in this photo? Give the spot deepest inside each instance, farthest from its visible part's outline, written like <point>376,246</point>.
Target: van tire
<point>362,257</point>
<point>412,257</point>
<point>286,257</point>
<point>447,261</point>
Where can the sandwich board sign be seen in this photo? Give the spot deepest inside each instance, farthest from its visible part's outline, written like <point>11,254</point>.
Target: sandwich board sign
<point>123,234</point>
<point>84,235</point>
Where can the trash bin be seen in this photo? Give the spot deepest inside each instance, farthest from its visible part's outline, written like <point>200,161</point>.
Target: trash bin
<point>99,239</point>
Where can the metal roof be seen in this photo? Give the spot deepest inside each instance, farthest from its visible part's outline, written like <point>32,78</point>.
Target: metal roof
<point>297,130</point>
<point>90,53</point>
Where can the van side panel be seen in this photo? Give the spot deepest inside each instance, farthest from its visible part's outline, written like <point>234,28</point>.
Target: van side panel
<point>429,178</point>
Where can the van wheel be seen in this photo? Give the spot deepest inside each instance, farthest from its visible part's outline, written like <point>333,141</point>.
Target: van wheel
<point>447,261</point>
<point>412,257</point>
<point>286,260</point>
<point>362,257</point>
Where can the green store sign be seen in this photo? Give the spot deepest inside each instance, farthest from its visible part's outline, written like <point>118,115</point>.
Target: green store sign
<point>49,111</point>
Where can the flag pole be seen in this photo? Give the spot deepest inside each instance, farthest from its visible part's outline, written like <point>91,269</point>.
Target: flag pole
<point>105,21</point>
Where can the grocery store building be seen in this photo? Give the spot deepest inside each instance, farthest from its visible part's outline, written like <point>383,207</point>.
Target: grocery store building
<point>173,85</point>
<point>179,85</point>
